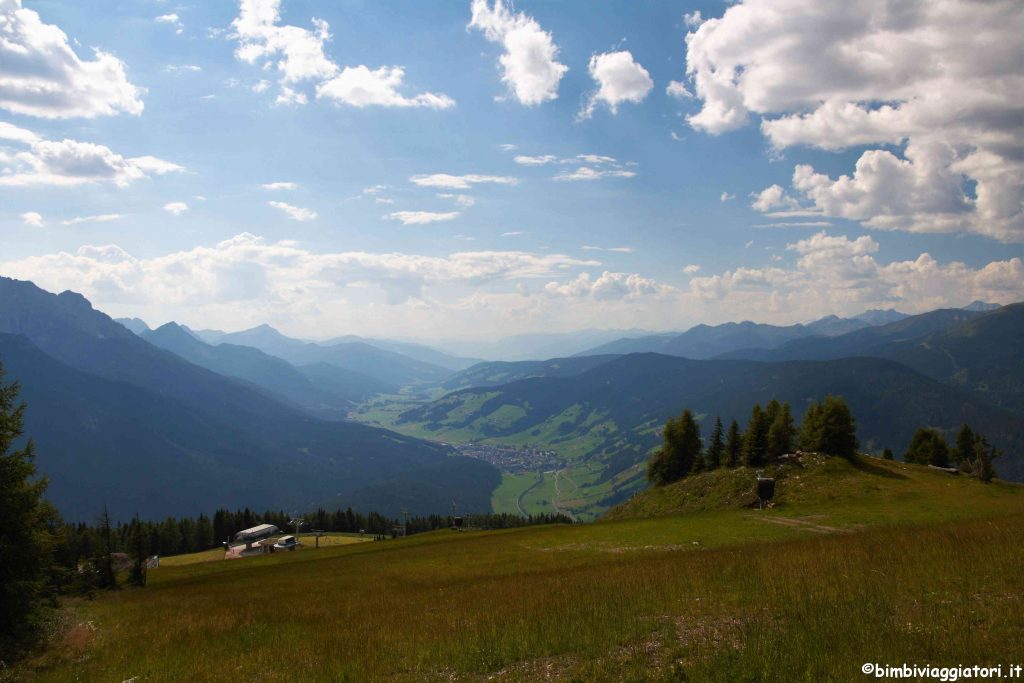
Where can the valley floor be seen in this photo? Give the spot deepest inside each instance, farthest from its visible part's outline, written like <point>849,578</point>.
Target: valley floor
<point>912,566</point>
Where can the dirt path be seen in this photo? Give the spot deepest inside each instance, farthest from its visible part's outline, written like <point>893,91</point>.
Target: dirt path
<point>804,524</point>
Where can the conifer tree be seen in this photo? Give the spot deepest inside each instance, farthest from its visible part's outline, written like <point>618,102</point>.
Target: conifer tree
<point>25,536</point>
<point>927,447</point>
<point>887,454</point>
<point>716,449</point>
<point>829,428</point>
<point>983,457</point>
<point>964,453</point>
<point>699,463</point>
<point>138,546</point>
<point>106,577</point>
<point>755,438</point>
<point>781,431</point>
<point>733,445</point>
<point>679,451</point>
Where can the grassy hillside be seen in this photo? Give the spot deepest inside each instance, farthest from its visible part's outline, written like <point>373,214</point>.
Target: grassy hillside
<point>809,590</point>
<point>836,491</point>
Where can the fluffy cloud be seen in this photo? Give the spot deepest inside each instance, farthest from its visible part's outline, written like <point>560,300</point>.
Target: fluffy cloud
<point>530,62</point>
<point>459,182</point>
<point>101,218</point>
<point>246,280</point>
<point>588,173</point>
<point>834,274</point>
<point>32,218</point>
<point>298,56</point>
<point>942,77</point>
<point>42,76</point>
<point>69,162</point>
<point>607,286</point>
<point>773,197</point>
<point>281,185</point>
<point>422,217</point>
<point>176,208</point>
<point>678,90</point>
<point>361,87</point>
<point>460,199</point>
<point>172,19</point>
<point>295,213</point>
<point>619,79</point>
<point>541,160</point>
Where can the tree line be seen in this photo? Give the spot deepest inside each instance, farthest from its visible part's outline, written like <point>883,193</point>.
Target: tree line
<point>42,557</point>
<point>828,427</point>
<point>971,454</point>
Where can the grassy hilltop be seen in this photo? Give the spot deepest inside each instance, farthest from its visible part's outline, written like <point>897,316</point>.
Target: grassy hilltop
<point>866,561</point>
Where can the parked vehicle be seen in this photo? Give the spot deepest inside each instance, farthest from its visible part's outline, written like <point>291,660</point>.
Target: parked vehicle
<point>286,543</point>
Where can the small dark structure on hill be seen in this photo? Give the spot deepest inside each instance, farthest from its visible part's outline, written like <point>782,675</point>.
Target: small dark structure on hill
<point>765,490</point>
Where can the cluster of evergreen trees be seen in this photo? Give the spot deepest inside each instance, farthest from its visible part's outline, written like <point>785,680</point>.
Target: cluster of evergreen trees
<point>828,427</point>
<point>972,453</point>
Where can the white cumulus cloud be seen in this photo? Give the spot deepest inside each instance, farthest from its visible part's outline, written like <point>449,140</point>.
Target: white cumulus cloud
<point>360,86</point>
<point>943,79</point>
<point>619,79</point>
<point>176,208</point>
<point>32,218</point>
<point>298,55</point>
<point>295,213</point>
<point>530,66</point>
<point>43,76</point>
<point>588,173</point>
<point>422,217</point>
<point>459,182</point>
<point>69,162</point>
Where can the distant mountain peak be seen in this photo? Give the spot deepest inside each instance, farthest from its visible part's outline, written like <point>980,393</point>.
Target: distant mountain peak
<point>977,305</point>
<point>136,325</point>
<point>878,316</point>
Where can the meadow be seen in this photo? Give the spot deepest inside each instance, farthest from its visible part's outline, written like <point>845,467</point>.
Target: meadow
<point>897,564</point>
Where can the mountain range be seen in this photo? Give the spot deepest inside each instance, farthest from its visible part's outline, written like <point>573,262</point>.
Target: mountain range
<point>121,422</point>
<point>175,421</point>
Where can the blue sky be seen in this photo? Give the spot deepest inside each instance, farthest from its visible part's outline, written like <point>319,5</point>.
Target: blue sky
<point>450,201</point>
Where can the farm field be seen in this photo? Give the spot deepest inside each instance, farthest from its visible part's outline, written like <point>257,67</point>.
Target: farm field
<point>872,561</point>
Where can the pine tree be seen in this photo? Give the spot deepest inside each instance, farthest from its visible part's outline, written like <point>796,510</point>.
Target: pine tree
<point>964,453</point>
<point>25,536</point>
<point>840,429</point>
<point>679,451</point>
<point>983,457</point>
<point>138,546</point>
<point>755,438</point>
<point>733,445</point>
<point>811,431</point>
<point>716,449</point>
<point>829,428</point>
<point>106,578</point>
<point>699,464</point>
<point>927,447</point>
<point>781,431</point>
<point>887,454</point>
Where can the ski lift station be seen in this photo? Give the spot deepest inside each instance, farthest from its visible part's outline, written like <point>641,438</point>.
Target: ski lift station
<point>255,534</point>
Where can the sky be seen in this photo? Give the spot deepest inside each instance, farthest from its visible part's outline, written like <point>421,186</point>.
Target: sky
<point>473,169</point>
